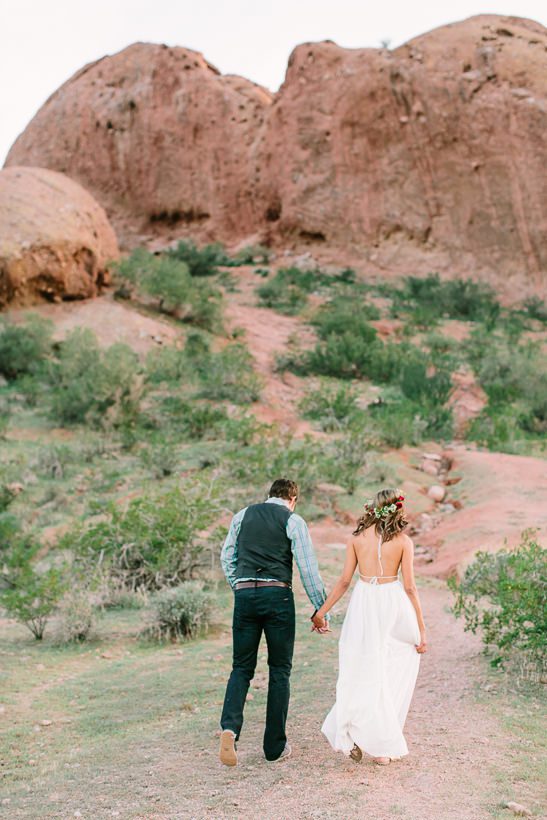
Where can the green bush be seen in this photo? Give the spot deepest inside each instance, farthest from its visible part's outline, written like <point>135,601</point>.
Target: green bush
<point>168,363</point>
<point>345,314</point>
<point>94,386</point>
<point>282,295</point>
<point>288,291</point>
<point>200,262</point>
<point>399,420</point>
<point>160,459</point>
<point>24,347</point>
<point>504,595</point>
<point>514,376</point>
<point>180,613</point>
<point>76,615</point>
<point>192,420</point>
<point>229,375</point>
<point>250,255</point>
<point>335,408</point>
<point>169,281</point>
<point>27,593</point>
<point>155,542</point>
<point>534,308</point>
<point>429,298</point>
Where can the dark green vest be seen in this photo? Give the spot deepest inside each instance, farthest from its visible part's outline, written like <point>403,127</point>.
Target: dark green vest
<point>263,548</point>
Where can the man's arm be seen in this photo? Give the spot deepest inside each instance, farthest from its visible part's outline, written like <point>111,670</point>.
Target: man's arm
<point>228,555</point>
<point>304,555</point>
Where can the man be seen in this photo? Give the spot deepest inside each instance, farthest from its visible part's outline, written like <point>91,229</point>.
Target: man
<point>257,559</point>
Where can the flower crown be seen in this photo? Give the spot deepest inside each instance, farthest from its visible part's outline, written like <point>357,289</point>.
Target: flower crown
<point>387,509</point>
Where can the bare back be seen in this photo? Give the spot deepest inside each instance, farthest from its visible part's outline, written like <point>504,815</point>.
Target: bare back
<point>366,551</point>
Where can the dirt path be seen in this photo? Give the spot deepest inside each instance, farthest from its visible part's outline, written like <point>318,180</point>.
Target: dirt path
<point>457,750</point>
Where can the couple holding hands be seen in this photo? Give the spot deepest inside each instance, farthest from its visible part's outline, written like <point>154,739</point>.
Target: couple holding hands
<point>382,637</point>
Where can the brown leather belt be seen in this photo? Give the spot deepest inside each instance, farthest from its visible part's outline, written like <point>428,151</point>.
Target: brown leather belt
<point>251,584</point>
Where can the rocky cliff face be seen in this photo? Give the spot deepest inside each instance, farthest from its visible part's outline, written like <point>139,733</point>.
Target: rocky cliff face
<point>55,240</point>
<point>429,157</point>
<point>158,136</point>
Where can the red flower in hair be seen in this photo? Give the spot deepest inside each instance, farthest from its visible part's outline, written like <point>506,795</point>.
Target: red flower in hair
<point>398,505</point>
<point>401,498</point>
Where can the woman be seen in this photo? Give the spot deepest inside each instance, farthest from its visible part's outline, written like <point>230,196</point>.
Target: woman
<point>382,637</point>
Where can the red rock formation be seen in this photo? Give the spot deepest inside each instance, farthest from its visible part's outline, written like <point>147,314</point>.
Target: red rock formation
<point>429,157</point>
<point>55,240</point>
<point>158,136</point>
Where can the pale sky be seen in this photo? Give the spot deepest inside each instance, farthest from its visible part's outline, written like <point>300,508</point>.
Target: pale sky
<point>43,42</point>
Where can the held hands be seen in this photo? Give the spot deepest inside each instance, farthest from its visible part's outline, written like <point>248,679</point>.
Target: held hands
<point>421,647</point>
<point>320,624</point>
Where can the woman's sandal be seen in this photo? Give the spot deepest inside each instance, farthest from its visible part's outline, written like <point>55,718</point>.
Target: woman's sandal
<point>356,754</point>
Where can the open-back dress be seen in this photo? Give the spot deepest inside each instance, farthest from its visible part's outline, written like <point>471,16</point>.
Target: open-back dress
<point>378,667</point>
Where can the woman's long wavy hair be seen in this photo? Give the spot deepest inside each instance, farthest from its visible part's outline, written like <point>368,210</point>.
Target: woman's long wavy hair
<point>392,524</point>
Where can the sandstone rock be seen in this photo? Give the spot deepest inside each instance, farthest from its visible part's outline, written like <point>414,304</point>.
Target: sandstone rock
<point>421,155</point>
<point>159,136</point>
<point>431,464</point>
<point>55,240</point>
<point>427,157</point>
<point>436,492</point>
<point>518,809</point>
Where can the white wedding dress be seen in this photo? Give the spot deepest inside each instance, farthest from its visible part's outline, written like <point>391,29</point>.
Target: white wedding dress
<point>377,670</point>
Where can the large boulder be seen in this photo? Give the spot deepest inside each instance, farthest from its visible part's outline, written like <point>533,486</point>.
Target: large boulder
<point>158,136</point>
<point>428,157</point>
<point>431,156</point>
<point>55,240</point>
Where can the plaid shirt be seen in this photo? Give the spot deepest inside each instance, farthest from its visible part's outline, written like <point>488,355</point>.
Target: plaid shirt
<point>302,550</point>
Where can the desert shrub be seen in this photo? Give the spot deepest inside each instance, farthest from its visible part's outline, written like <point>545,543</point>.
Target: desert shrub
<point>180,613</point>
<point>287,291</point>
<point>430,298</point>
<point>168,280</point>
<point>24,347</point>
<point>250,255</point>
<point>94,386</point>
<point>200,262</point>
<point>229,375</point>
<point>535,308</point>
<point>190,419</point>
<point>335,408</point>
<point>159,459</point>
<point>6,497</point>
<point>419,385</point>
<point>514,376</point>
<point>345,314</point>
<point>399,420</point>
<point>345,356</point>
<point>504,595</point>
<point>28,594</point>
<point>167,364</point>
<point>282,295</point>
<point>155,542</point>
<point>76,615</point>
<point>349,458</point>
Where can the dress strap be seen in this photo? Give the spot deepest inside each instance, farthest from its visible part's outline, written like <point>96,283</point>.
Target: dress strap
<point>373,579</point>
<point>380,554</point>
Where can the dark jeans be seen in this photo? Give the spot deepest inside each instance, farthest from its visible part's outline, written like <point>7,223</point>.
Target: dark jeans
<point>268,609</point>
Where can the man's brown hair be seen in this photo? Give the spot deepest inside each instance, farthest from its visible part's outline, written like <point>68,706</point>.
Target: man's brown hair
<point>284,488</point>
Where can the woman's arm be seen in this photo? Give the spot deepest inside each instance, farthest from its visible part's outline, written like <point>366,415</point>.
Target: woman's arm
<point>407,567</point>
<point>340,587</point>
